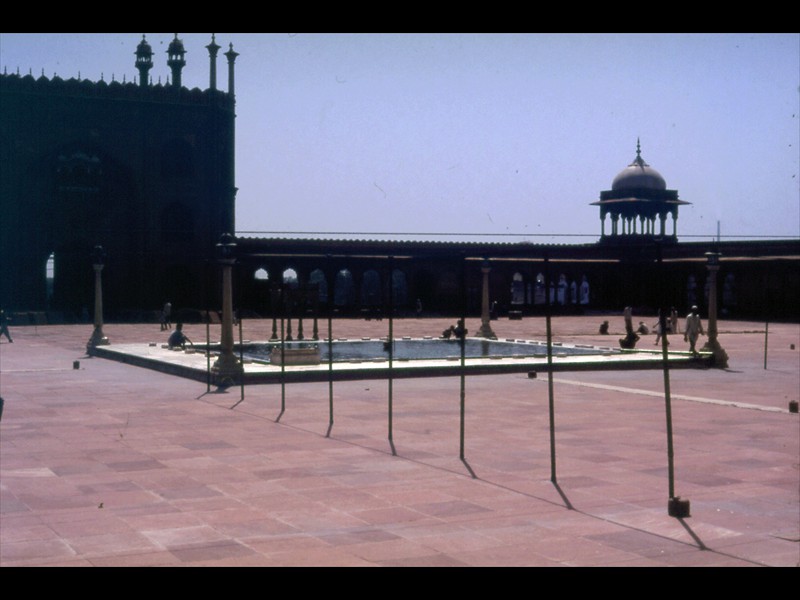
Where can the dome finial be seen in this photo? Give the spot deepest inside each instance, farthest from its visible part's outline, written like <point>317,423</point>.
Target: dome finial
<point>639,161</point>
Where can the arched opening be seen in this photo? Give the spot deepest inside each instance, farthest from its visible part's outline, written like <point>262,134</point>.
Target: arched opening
<point>50,276</point>
<point>399,288</point>
<point>371,288</point>
<point>317,277</point>
<point>517,289</point>
<point>344,293</point>
<point>584,291</point>
<point>539,294</point>
<point>561,296</point>
<point>290,279</point>
<point>261,298</point>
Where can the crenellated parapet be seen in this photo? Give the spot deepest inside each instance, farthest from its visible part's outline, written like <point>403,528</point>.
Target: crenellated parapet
<point>144,90</point>
<point>113,90</point>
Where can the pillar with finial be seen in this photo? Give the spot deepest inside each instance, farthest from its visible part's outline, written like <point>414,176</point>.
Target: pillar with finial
<point>231,56</point>
<point>144,61</point>
<point>213,48</point>
<point>176,60</point>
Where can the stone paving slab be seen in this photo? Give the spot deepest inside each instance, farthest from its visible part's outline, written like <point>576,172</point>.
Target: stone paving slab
<point>110,464</point>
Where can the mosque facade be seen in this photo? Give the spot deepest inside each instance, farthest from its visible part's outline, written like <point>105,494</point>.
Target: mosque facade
<point>142,169</point>
<point>146,171</point>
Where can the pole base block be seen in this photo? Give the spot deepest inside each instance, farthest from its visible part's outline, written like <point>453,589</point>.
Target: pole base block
<point>678,508</point>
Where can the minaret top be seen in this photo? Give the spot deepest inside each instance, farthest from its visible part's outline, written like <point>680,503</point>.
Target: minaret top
<point>176,50</point>
<point>144,60</point>
<point>143,51</point>
<point>176,60</point>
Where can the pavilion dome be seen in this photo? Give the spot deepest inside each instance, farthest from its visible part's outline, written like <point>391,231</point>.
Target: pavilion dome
<point>176,47</point>
<point>144,49</point>
<point>639,175</point>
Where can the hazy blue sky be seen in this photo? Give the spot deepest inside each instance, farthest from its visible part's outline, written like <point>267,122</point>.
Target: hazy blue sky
<point>485,133</point>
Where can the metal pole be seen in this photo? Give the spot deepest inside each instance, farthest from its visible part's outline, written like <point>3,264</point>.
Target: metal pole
<point>675,506</point>
<point>283,356</point>
<point>330,370</point>
<point>766,338</point>
<point>241,357</point>
<point>462,341</point>
<point>391,348</point>
<point>330,355</point>
<point>551,399</point>
<point>208,351</point>
<point>208,331</point>
<point>662,323</point>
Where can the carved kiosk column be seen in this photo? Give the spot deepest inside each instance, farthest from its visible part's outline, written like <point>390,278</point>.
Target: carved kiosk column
<point>98,338</point>
<point>227,365</point>
<point>712,344</point>
<point>486,327</point>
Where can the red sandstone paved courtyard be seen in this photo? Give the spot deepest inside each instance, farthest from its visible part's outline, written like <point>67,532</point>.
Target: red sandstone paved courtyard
<point>111,464</point>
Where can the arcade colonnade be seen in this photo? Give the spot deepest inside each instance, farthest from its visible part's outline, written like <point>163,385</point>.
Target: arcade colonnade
<point>361,285</point>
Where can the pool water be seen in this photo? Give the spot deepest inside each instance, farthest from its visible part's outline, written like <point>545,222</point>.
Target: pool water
<point>423,349</point>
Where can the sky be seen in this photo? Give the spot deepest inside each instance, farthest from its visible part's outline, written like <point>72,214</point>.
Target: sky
<point>502,137</point>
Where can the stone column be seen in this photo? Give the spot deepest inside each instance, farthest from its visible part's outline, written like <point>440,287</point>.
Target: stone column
<point>98,338</point>
<point>227,365</point>
<point>486,328</point>
<point>712,344</point>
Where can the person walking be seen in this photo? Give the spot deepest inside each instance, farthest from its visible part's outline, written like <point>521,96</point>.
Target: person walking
<point>166,317</point>
<point>673,321</point>
<point>4,320</point>
<point>694,328</point>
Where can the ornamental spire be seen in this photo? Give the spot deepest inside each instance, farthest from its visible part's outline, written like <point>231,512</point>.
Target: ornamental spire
<point>213,48</point>
<point>639,161</point>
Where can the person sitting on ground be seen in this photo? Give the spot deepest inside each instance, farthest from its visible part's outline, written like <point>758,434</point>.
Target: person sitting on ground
<point>604,328</point>
<point>643,329</point>
<point>631,337</point>
<point>178,339</point>
<point>448,333</point>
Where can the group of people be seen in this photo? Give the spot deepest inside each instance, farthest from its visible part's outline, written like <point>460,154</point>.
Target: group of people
<point>458,331</point>
<point>177,339</point>
<point>692,330</point>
